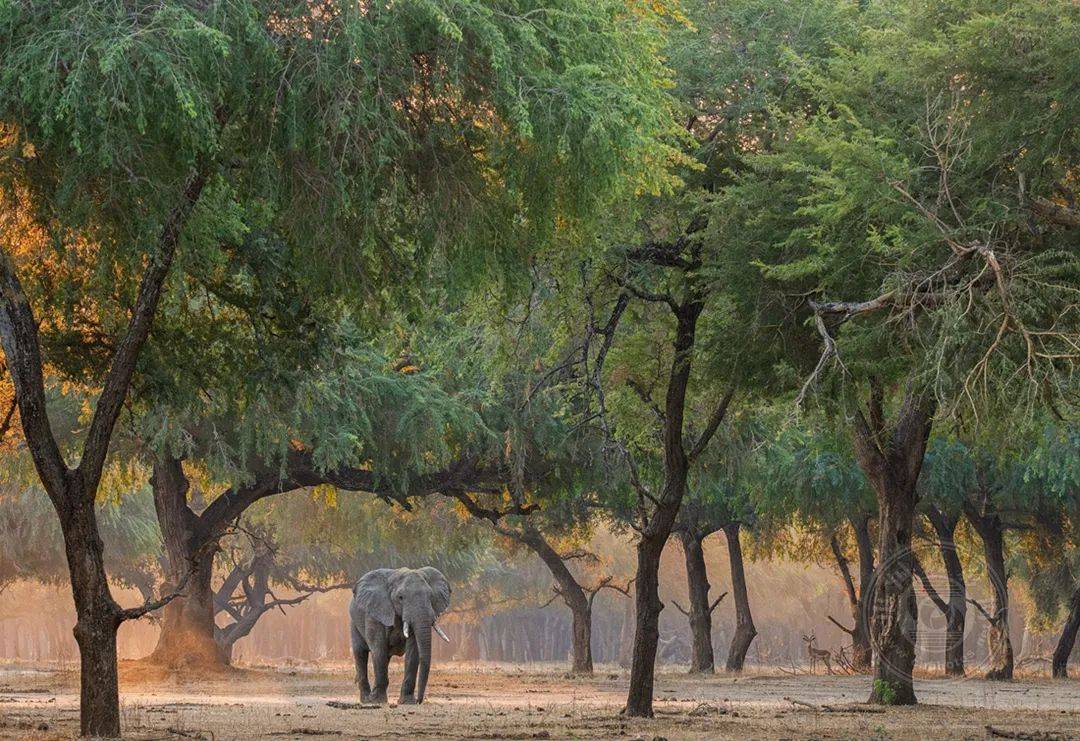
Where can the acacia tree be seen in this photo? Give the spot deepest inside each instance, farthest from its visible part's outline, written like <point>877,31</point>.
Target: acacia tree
<point>685,291</point>
<point>342,130</point>
<point>912,195</point>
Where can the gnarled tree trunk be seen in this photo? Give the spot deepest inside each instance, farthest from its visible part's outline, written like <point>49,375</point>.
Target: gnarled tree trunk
<point>187,624</point>
<point>1064,648</point>
<point>857,596</point>
<point>860,639</point>
<point>956,608</point>
<point>570,591</point>
<point>892,459</point>
<point>988,525</point>
<point>700,611</point>
<point>744,620</point>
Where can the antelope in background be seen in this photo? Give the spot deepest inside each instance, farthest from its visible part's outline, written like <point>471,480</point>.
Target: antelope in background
<point>816,654</point>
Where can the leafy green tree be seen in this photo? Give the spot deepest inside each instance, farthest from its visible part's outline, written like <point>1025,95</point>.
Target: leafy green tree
<point>694,319</point>
<point>930,190</point>
<point>356,137</point>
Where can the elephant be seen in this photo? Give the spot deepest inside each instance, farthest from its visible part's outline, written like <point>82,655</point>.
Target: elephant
<point>393,612</point>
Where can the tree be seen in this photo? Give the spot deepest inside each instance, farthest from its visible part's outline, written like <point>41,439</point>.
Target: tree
<point>271,121</point>
<point>692,282</point>
<point>911,195</point>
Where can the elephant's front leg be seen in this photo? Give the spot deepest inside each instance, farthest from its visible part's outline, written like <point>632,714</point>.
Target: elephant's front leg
<point>408,682</point>
<point>380,660</point>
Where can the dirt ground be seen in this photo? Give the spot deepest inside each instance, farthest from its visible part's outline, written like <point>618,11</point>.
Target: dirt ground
<point>498,701</point>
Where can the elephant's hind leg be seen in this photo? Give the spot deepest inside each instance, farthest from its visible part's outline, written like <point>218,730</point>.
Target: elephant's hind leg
<point>360,656</point>
<point>408,682</point>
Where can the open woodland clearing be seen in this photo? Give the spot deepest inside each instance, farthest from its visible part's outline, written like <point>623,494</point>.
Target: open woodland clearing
<point>346,330</point>
<point>522,702</point>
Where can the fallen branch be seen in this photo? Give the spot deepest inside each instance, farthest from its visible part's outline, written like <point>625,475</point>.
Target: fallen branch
<point>992,732</point>
<point>849,708</point>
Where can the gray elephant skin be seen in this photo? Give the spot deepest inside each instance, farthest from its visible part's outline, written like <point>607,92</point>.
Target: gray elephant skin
<point>393,612</point>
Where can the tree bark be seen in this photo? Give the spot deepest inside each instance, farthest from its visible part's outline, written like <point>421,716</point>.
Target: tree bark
<point>1065,644</point>
<point>98,617</point>
<point>187,626</point>
<point>892,460</point>
<point>655,532</point>
<point>647,607</point>
<point>988,525</point>
<point>857,596</point>
<point>956,609</point>
<point>744,620</point>
<point>700,611</point>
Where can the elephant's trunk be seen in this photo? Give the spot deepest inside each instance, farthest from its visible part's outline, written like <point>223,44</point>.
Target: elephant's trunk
<point>423,643</point>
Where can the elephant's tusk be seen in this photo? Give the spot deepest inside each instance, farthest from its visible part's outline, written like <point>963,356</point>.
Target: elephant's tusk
<point>442,635</point>
<point>406,630</point>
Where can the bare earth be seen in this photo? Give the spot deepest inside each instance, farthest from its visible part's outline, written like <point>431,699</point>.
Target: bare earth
<point>488,702</point>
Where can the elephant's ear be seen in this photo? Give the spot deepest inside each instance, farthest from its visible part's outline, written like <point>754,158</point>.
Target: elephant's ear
<point>372,594</point>
<point>440,588</point>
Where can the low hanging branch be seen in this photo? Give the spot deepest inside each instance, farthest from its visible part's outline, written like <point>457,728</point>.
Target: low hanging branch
<point>487,513</point>
<point>153,605</point>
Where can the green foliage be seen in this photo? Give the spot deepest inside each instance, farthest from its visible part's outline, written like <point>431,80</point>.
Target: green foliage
<point>929,132</point>
<point>884,691</point>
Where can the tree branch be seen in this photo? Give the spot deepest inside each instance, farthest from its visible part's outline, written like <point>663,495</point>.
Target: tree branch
<point>981,609</point>
<point>118,379</point>
<point>713,424</point>
<point>931,592</point>
<point>492,515</point>
<point>838,624</point>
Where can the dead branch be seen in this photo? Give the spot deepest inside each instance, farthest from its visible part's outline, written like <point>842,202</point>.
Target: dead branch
<point>834,621</point>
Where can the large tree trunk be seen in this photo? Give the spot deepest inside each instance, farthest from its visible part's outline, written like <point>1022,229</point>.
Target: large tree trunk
<point>1065,644</point>
<point>892,460</point>
<point>187,624</point>
<point>992,533</point>
<point>647,609</point>
<point>744,620</point>
<point>956,612</point>
<point>98,617</point>
<point>700,611</point>
<point>570,591</point>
